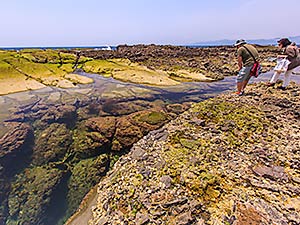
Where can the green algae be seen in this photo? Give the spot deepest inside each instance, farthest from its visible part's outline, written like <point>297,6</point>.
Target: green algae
<point>152,118</point>
<point>35,69</point>
<point>85,175</point>
<point>85,144</point>
<point>238,124</point>
<point>31,194</point>
<point>8,72</point>
<point>190,159</point>
<point>66,67</point>
<point>52,144</point>
<point>125,70</point>
<point>103,67</point>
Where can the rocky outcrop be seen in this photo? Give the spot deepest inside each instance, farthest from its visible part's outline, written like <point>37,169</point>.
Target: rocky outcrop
<point>52,144</point>
<point>227,160</point>
<point>213,62</point>
<point>15,145</point>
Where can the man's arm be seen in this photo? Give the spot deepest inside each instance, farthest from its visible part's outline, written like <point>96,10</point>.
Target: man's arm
<point>240,62</point>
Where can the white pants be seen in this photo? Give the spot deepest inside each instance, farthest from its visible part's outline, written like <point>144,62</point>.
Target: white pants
<point>286,80</point>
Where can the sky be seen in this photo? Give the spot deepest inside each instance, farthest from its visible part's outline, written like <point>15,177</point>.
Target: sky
<point>114,22</point>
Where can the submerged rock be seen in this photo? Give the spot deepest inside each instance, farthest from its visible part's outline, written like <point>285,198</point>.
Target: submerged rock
<point>15,145</point>
<point>52,144</point>
<point>31,194</point>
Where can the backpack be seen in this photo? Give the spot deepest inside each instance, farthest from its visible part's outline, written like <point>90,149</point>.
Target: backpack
<point>256,68</point>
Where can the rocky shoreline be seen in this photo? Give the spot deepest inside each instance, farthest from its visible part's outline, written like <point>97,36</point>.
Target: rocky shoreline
<point>53,150</point>
<point>227,160</point>
<point>156,65</point>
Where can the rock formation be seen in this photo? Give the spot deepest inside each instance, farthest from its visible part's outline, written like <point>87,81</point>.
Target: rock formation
<point>227,160</point>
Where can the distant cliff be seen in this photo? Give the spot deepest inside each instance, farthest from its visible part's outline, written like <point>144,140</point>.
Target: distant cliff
<point>271,41</point>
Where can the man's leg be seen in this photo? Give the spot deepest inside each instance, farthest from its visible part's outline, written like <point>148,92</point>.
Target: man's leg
<point>245,78</point>
<point>239,81</point>
<point>244,83</point>
<point>239,86</point>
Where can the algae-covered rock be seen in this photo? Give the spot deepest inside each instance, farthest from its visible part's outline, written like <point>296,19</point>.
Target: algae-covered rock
<point>34,69</point>
<point>104,125</point>
<point>127,71</point>
<point>153,118</point>
<point>15,147</point>
<point>227,160</point>
<point>86,144</point>
<point>131,128</point>
<point>31,194</point>
<point>85,175</point>
<point>52,144</point>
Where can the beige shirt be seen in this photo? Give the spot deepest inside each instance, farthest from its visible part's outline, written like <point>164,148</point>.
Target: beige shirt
<point>292,53</point>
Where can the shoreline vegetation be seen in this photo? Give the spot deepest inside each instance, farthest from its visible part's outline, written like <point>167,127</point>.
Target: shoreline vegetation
<point>31,69</point>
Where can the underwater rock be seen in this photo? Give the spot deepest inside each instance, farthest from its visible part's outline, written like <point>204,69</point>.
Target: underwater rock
<point>31,194</point>
<point>15,145</point>
<point>52,144</point>
<point>104,125</point>
<point>131,128</point>
<point>85,175</point>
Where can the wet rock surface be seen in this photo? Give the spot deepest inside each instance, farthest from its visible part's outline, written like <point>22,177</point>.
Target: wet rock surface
<point>53,154</point>
<point>227,160</point>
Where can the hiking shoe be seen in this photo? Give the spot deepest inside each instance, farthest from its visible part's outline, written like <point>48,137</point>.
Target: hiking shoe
<point>239,93</point>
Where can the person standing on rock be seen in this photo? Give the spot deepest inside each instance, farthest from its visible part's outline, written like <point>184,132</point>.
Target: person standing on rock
<point>247,54</point>
<point>290,52</point>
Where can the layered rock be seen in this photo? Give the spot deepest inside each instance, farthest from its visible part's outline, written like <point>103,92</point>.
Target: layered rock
<point>227,160</point>
<point>34,69</point>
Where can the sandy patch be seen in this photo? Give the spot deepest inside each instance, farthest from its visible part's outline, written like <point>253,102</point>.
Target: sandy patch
<point>17,84</point>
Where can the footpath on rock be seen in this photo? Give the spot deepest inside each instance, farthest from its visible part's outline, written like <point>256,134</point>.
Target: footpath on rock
<point>227,160</point>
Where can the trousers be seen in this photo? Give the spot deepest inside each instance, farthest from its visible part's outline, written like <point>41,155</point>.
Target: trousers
<point>286,79</point>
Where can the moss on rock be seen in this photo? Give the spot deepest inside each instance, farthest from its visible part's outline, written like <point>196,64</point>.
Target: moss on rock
<point>85,174</point>
<point>51,144</point>
<point>31,193</point>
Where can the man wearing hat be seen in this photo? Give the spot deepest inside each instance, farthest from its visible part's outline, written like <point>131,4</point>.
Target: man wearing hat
<point>247,55</point>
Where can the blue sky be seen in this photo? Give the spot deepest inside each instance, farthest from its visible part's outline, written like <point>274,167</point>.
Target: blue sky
<point>113,22</point>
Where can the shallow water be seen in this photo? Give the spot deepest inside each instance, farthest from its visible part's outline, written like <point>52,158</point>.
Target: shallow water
<point>105,88</point>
